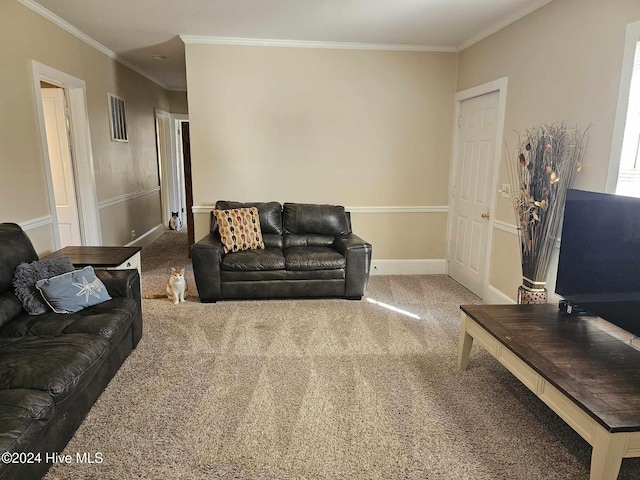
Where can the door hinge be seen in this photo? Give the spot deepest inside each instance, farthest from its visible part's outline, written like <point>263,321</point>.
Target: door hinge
<point>460,121</point>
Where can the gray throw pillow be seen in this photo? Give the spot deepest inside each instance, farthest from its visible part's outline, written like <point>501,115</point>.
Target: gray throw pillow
<point>73,291</point>
<point>26,276</point>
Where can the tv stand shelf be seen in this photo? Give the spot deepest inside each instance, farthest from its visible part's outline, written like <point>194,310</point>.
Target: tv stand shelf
<point>583,373</point>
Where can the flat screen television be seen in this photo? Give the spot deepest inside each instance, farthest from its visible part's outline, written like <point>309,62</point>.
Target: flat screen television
<point>599,264</point>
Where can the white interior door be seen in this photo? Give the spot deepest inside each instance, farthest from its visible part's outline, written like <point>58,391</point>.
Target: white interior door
<point>55,120</point>
<point>472,190</point>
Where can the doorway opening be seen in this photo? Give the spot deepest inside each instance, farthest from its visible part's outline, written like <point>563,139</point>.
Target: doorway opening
<point>58,133</point>
<point>174,168</point>
<point>65,121</point>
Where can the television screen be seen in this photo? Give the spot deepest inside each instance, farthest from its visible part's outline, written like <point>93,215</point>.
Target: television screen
<point>599,264</point>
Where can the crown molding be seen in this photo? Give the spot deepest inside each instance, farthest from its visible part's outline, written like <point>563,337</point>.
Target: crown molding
<point>264,42</point>
<point>52,17</point>
<point>529,8</point>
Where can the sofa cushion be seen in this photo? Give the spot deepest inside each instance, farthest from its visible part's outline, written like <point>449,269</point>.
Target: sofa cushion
<point>252,275</point>
<point>239,229</point>
<point>16,249</point>
<point>10,307</point>
<point>23,414</point>
<point>313,258</point>
<point>73,291</point>
<point>251,260</point>
<point>321,219</point>
<point>58,365</point>
<point>109,320</point>
<point>28,274</point>
<point>308,240</point>
<point>270,213</point>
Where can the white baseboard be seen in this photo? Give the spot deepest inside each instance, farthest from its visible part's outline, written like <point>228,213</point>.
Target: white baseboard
<point>495,296</point>
<point>148,238</point>
<point>409,267</point>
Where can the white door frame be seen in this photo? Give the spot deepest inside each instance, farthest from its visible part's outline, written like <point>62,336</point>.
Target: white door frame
<point>499,86</point>
<point>82,153</point>
<point>166,167</point>
<point>178,159</point>
<point>632,38</point>
<point>170,165</point>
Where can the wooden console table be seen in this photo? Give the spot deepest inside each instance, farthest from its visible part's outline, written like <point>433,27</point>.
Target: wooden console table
<point>583,373</point>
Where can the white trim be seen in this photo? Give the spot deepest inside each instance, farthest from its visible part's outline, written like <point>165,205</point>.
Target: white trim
<point>166,165</point>
<point>495,296</point>
<point>499,86</point>
<point>127,197</point>
<point>409,267</point>
<point>529,8</point>
<point>403,209</point>
<point>265,42</point>
<point>177,159</point>
<point>81,145</point>
<point>505,227</point>
<point>631,40</point>
<point>509,228</point>
<point>36,223</point>
<point>149,237</point>
<point>52,17</point>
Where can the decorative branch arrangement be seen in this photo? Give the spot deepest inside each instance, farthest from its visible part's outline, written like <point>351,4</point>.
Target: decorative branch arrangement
<point>541,170</point>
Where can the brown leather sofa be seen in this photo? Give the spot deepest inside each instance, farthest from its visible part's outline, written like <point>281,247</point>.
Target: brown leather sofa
<point>310,251</point>
<point>53,367</point>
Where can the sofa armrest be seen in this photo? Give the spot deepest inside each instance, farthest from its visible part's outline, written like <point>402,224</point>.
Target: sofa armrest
<point>206,256</point>
<point>121,283</point>
<point>358,255</point>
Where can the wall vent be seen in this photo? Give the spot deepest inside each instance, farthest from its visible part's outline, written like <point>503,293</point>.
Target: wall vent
<point>118,119</point>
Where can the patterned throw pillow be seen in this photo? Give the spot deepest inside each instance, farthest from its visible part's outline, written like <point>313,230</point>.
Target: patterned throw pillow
<point>239,229</point>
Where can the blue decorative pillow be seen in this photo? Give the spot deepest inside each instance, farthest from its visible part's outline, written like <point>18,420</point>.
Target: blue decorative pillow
<point>73,291</point>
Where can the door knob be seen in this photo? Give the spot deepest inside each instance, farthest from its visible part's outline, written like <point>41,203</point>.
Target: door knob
<point>486,215</point>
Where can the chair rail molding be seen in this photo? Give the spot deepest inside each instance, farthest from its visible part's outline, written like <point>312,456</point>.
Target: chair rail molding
<point>36,223</point>
<point>505,227</point>
<point>395,209</point>
<point>127,197</point>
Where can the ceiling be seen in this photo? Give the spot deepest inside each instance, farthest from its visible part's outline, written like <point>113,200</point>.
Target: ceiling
<point>136,31</point>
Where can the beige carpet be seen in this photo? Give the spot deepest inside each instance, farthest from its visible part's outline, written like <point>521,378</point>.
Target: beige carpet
<point>321,389</point>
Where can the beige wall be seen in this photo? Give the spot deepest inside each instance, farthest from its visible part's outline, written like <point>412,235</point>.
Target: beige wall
<point>121,169</point>
<point>563,63</point>
<point>178,102</point>
<point>358,128</point>
<point>351,127</point>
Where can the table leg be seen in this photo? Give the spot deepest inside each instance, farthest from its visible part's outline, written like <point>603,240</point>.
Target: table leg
<point>464,345</point>
<point>606,457</point>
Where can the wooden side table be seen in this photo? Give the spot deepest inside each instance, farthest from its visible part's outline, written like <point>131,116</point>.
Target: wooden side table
<point>108,258</point>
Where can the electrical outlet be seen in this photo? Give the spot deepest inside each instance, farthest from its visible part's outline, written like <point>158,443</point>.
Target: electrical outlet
<point>505,191</point>
<point>133,234</point>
